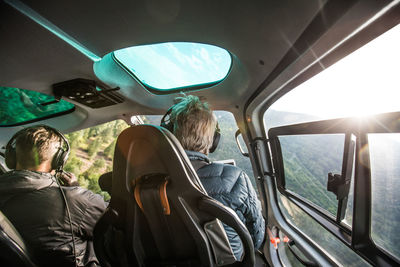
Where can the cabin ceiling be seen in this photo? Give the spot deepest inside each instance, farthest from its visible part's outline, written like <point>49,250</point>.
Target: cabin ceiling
<point>259,34</point>
<point>34,58</point>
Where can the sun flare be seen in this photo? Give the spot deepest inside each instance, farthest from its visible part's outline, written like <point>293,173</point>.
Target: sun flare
<point>364,83</point>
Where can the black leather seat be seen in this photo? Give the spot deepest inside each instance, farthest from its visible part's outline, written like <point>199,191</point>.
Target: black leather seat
<point>13,251</point>
<point>159,213</point>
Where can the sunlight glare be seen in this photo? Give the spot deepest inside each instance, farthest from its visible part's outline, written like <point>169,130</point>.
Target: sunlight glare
<point>365,82</point>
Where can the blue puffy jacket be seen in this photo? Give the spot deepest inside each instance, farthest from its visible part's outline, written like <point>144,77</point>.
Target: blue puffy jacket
<point>231,186</point>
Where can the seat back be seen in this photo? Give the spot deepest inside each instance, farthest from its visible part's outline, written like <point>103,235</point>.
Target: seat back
<point>159,213</point>
<point>13,251</point>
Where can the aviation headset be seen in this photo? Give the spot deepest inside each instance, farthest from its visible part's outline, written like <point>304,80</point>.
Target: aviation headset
<point>59,158</point>
<point>169,125</point>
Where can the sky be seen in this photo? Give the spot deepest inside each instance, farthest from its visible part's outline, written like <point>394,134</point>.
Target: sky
<point>363,83</point>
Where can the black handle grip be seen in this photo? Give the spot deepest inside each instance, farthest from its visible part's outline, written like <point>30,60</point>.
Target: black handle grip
<point>305,262</point>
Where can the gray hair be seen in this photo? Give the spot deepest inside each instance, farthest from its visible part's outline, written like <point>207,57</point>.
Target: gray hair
<point>194,123</point>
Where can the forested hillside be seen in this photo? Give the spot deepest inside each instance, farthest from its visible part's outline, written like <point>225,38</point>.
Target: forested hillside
<point>92,150</point>
<point>307,161</point>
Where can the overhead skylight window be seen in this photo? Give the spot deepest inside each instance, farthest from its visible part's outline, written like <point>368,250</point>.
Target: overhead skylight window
<point>175,66</point>
<point>19,106</point>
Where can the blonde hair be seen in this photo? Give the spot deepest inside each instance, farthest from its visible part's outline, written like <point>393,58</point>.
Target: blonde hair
<point>36,145</point>
<point>194,123</point>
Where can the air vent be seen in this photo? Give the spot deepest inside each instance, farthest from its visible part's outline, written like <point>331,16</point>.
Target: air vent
<point>88,93</point>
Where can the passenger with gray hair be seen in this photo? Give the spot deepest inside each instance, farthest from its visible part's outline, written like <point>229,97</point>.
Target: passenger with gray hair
<point>195,126</point>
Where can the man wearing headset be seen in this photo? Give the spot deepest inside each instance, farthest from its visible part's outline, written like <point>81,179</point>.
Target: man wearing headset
<point>195,126</point>
<point>56,222</point>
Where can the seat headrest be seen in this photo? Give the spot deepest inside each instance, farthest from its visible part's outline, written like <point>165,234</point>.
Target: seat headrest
<point>147,149</point>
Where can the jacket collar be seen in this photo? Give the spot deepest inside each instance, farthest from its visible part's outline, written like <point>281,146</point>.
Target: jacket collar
<point>23,181</point>
<point>193,155</point>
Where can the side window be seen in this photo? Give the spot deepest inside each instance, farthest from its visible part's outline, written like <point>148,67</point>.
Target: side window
<point>317,180</point>
<point>338,180</point>
<point>384,151</point>
<point>314,177</point>
<point>92,151</point>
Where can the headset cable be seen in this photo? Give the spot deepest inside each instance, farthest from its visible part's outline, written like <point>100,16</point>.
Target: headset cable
<point>69,218</point>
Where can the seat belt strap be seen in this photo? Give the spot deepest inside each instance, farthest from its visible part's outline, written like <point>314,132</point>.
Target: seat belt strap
<point>152,195</point>
<point>137,196</point>
<point>164,198</point>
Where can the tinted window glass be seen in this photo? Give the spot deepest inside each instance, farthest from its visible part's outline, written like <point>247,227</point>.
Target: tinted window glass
<point>19,106</point>
<point>169,66</point>
<point>385,179</point>
<point>307,162</point>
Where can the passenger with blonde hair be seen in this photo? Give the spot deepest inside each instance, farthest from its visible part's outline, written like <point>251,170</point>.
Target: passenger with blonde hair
<point>194,125</point>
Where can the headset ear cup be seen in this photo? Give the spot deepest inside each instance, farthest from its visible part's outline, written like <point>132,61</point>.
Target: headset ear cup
<point>10,157</point>
<point>61,156</point>
<point>169,126</point>
<point>217,137</point>
<point>59,159</point>
<point>166,123</point>
<point>55,163</point>
<point>11,154</point>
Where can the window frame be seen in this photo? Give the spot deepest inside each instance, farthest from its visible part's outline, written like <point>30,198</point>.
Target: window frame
<point>319,127</point>
<point>41,118</point>
<point>358,237</point>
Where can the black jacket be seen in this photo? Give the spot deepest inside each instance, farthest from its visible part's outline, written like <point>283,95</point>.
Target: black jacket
<point>32,201</point>
<point>231,186</point>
